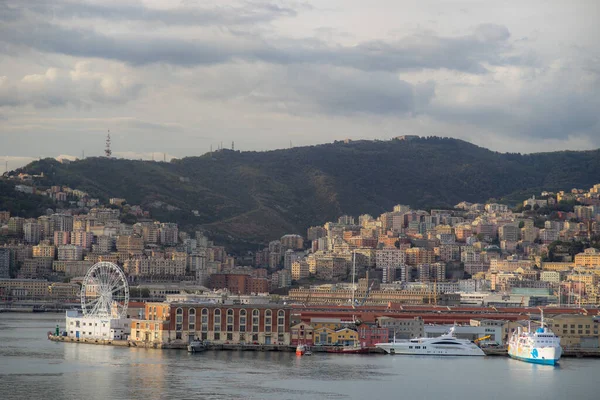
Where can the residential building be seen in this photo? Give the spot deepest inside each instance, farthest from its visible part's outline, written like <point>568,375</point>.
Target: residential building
<point>419,255</point>
<point>82,238</point>
<point>61,238</point>
<point>130,245</point>
<point>4,263</point>
<point>300,269</point>
<point>24,288</point>
<point>34,268</point>
<point>316,232</point>
<point>589,258</point>
<point>31,232</point>
<point>62,222</point>
<point>70,252</point>
<point>389,258</point>
<point>294,242</point>
<point>15,226</point>
<point>169,234</point>
<point>509,232</point>
<point>44,250</point>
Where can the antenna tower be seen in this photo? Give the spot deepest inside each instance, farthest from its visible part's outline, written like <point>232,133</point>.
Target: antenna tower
<point>232,146</point>
<point>107,150</point>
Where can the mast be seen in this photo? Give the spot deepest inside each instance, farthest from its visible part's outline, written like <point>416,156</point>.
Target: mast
<point>353,273</point>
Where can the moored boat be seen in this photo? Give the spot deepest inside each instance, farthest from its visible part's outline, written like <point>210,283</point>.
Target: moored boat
<point>446,345</point>
<point>356,349</point>
<point>300,350</point>
<point>541,346</point>
<point>196,346</point>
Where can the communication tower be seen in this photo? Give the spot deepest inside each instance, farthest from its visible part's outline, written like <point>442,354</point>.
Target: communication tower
<point>107,150</point>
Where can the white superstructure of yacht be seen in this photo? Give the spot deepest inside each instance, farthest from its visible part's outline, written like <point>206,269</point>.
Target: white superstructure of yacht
<point>446,345</point>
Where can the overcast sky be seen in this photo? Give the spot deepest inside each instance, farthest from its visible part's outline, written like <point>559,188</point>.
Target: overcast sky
<point>177,77</point>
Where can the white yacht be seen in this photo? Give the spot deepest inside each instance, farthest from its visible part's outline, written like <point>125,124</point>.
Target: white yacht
<point>446,345</point>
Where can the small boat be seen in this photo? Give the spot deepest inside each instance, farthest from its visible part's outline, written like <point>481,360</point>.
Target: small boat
<point>446,345</point>
<point>351,349</point>
<point>541,346</point>
<point>196,346</point>
<point>300,350</point>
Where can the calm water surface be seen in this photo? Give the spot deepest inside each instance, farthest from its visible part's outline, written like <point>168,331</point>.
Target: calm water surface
<point>32,367</point>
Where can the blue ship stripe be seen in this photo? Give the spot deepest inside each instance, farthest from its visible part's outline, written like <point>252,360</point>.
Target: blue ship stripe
<point>534,360</point>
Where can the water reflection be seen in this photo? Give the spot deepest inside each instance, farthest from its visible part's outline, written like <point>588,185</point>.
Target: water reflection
<point>33,367</point>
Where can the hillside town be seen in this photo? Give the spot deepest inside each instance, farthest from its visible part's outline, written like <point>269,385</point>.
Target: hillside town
<point>474,255</point>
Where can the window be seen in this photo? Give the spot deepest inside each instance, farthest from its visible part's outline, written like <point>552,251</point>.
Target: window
<point>192,319</point>
<point>242,321</point>
<point>280,321</point>
<point>217,336</point>
<point>204,323</point>
<point>267,320</point>
<point>229,321</point>
<point>255,320</point>
<point>217,320</point>
<point>179,316</point>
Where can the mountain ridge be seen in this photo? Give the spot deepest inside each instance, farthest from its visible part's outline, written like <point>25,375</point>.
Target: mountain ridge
<point>253,197</point>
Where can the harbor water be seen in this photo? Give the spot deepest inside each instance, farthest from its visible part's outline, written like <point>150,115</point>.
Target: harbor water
<point>32,367</point>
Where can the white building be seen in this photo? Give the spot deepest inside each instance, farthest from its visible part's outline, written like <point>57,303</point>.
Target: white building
<point>104,328</point>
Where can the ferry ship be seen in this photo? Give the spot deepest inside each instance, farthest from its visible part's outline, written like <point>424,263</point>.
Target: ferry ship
<point>540,347</point>
<point>446,345</point>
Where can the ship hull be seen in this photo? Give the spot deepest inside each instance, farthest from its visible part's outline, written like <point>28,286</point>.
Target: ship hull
<point>545,356</point>
<point>534,360</point>
<point>396,349</point>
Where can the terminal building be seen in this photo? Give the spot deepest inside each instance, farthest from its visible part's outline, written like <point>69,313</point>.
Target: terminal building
<point>178,323</point>
<point>79,326</point>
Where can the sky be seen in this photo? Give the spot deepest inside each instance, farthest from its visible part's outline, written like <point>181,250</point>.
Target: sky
<point>173,78</point>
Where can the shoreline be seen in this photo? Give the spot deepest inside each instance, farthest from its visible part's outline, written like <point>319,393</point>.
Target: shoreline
<point>495,352</point>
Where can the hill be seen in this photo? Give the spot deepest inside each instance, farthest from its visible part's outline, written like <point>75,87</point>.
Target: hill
<point>254,197</point>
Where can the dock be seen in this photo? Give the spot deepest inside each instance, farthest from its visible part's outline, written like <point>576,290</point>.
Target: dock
<point>567,352</point>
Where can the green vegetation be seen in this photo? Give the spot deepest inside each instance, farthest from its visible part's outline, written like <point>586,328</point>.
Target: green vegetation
<point>557,249</point>
<point>22,204</point>
<point>252,197</point>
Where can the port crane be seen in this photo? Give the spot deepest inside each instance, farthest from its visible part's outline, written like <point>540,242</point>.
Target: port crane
<point>482,338</point>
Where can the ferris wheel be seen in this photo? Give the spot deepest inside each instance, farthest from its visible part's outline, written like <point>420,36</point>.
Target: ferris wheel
<point>105,291</point>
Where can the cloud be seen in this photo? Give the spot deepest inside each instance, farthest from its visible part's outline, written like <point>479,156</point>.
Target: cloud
<point>555,102</point>
<point>81,86</point>
<point>185,13</point>
<point>197,45</point>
